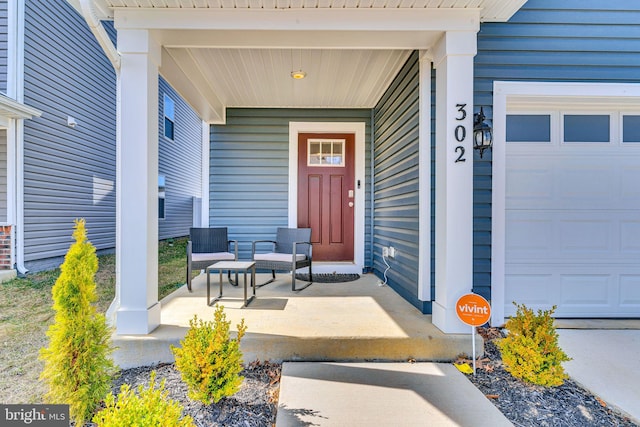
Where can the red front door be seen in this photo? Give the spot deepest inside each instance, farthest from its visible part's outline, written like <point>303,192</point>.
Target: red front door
<point>326,193</point>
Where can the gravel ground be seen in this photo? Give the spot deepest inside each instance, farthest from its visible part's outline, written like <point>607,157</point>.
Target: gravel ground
<point>253,406</point>
<point>527,405</point>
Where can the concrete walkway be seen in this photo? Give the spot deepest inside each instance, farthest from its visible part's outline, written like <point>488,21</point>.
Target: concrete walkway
<point>605,362</point>
<point>381,394</point>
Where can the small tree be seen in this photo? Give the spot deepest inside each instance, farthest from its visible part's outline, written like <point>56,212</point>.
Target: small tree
<point>210,361</point>
<point>150,407</point>
<point>531,351</point>
<point>77,365</point>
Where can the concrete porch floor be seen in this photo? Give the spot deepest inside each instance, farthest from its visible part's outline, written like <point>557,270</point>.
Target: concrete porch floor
<point>353,321</point>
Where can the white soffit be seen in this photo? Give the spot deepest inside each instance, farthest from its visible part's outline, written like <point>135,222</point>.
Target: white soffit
<point>240,53</point>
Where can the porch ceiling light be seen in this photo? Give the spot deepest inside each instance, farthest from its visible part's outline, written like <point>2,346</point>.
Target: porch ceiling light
<point>482,135</point>
<point>298,75</point>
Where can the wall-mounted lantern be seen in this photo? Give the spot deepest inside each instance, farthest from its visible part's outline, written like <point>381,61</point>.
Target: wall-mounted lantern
<point>482,136</point>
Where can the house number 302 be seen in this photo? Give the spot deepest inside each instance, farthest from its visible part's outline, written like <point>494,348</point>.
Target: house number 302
<point>460,132</point>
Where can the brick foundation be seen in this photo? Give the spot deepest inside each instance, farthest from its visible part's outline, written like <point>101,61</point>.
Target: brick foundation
<point>5,247</point>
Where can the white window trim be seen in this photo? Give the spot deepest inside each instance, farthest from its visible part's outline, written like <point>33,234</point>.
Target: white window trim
<point>358,129</point>
<point>165,117</point>
<point>509,96</point>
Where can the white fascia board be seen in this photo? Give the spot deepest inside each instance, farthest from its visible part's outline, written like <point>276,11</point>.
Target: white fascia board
<point>258,39</point>
<point>102,10</point>
<point>194,88</point>
<point>16,110</point>
<point>299,19</point>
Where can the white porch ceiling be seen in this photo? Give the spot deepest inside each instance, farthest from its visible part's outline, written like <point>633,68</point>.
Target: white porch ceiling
<point>240,53</point>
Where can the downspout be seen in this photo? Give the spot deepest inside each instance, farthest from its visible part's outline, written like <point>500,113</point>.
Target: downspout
<point>372,201</point>
<point>89,14</point>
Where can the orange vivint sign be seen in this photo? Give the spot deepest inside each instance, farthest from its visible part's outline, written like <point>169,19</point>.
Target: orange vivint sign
<point>473,310</point>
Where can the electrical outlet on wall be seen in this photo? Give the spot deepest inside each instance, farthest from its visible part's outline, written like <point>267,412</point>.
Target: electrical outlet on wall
<point>385,251</point>
<point>392,252</point>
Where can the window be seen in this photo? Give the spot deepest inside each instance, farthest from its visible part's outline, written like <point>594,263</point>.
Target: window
<point>528,128</point>
<point>586,128</point>
<point>161,197</point>
<point>169,117</point>
<point>325,152</point>
<point>630,128</point>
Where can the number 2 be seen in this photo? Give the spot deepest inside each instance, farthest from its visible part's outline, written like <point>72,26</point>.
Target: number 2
<point>460,158</point>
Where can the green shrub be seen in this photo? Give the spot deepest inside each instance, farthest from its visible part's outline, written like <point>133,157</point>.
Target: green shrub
<point>210,361</point>
<point>149,408</point>
<point>77,367</point>
<point>530,351</point>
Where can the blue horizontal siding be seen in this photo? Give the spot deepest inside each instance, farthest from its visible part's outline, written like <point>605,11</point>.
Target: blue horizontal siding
<point>68,172</point>
<point>396,184</point>
<point>249,170</point>
<point>180,161</point>
<point>548,40</point>
<point>4,52</point>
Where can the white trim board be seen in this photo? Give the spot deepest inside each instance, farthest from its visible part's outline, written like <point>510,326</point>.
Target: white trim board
<point>509,95</point>
<point>358,129</point>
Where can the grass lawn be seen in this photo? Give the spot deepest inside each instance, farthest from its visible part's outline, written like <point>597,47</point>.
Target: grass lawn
<point>26,313</point>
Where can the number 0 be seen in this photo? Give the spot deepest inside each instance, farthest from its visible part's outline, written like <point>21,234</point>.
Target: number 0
<point>460,133</point>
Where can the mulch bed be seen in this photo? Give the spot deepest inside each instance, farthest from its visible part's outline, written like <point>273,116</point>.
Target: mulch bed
<point>254,405</point>
<point>524,404</point>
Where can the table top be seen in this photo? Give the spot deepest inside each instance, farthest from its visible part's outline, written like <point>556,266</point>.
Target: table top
<point>231,265</point>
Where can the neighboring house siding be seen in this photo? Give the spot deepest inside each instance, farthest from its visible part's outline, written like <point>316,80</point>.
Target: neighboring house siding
<point>68,173</point>
<point>180,162</point>
<point>547,40</point>
<point>396,184</point>
<point>3,175</point>
<point>249,170</point>
<point>3,45</point>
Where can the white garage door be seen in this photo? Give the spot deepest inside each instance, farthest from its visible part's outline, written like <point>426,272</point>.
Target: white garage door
<point>573,213</point>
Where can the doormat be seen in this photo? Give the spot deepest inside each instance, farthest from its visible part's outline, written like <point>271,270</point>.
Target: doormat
<point>329,277</point>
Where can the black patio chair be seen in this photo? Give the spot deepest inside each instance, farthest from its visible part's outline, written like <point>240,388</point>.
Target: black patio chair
<point>207,246</point>
<point>291,250</point>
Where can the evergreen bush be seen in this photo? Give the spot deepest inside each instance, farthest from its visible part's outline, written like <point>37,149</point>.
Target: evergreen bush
<point>531,351</point>
<point>151,407</point>
<point>77,366</point>
<point>210,361</point>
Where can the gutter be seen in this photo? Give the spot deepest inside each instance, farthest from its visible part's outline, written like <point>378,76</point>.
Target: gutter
<point>88,12</point>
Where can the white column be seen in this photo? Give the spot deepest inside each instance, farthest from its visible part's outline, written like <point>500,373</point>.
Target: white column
<point>424,252</point>
<point>137,196</point>
<point>453,59</point>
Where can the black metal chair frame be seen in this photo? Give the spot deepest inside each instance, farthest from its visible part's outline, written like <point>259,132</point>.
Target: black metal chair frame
<point>288,241</point>
<point>208,240</point>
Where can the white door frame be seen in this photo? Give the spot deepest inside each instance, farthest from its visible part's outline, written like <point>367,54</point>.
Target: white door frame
<point>358,129</point>
<point>509,94</point>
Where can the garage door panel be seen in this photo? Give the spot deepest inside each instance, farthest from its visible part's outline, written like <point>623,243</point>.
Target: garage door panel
<point>630,238</point>
<point>630,292</point>
<point>630,183</point>
<point>582,184</point>
<point>557,180</point>
<point>534,290</point>
<point>578,290</point>
<point>530,183</point>
<point>528,235</point>
<point>586,237</point>
<point>581,291</point>
<point>560,236</point>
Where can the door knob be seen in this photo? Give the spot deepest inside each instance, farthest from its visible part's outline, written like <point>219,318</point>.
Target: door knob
<point>350,204</point>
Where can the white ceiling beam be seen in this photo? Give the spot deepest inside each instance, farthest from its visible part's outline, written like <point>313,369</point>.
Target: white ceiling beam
<point>373,40</point>
<point>300,19</point>
<point>193,87</point>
